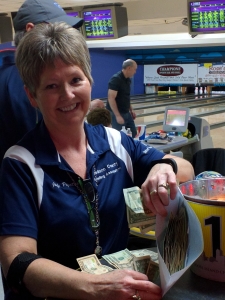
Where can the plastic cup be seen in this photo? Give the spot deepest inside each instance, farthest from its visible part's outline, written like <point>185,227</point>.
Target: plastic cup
<point>141,132</point>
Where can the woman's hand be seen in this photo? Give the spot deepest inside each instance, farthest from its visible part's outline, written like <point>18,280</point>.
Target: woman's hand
<point>158,186</point>
<point>123,285</point>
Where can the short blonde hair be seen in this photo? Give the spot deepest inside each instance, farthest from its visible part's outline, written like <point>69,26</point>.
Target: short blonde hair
<point>45,43</point>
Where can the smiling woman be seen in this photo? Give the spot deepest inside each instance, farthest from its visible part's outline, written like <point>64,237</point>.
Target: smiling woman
<point>63,96</point>
<point>57,185</point>
<point>72,51</point>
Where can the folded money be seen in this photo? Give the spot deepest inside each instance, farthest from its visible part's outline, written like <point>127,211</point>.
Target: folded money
<point>91,264</point>
<point>137,215</point>
<point>144,261</point>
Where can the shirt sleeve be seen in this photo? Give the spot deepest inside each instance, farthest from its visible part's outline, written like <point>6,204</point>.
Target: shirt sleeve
<point>142,155</point>
<point>19,211</point>
<point>114,84</point>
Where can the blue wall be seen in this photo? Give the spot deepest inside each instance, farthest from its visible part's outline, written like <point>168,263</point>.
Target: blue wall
<point>105,63</point>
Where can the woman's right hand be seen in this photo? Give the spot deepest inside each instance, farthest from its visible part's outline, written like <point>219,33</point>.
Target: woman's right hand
<point>123,285</point>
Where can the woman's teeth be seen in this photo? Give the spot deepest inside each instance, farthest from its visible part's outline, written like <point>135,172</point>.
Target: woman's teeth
<point>68,108</point>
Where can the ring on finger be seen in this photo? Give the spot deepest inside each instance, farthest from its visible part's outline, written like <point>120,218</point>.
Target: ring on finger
<point>164,185</point>
<point>153,192</point>
<point>136,296</point>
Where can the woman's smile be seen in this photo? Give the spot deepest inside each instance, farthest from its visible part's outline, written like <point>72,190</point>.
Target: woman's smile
<point>69,108</point>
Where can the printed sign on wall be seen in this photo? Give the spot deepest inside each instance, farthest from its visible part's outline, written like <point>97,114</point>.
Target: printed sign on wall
<point>211,73</point>
<point>171,74</point>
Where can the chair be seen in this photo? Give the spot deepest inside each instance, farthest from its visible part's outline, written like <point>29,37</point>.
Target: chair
<point>211,159</point>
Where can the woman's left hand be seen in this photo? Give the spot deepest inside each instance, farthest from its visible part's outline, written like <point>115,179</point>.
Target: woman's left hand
<point>159,186</point>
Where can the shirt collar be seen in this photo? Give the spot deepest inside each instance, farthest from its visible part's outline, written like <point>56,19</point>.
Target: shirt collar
<point>46,153</point>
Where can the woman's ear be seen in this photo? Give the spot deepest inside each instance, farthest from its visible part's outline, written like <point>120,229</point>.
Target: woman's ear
<point>31,98</point>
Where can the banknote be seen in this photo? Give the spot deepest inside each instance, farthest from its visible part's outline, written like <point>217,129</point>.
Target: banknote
<point>138,219</point>
<point>121,260</point>
<point>143,252</point>
<point>91,264</point>
<point>137,216</point>
<point>141,263</point>
<point>134,201</point>
<point>139,260</point>
<point>153,271</point>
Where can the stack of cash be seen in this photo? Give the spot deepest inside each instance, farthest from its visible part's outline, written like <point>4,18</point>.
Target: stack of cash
<point>143,260</point>
<point>91,264</point>
<point>137,215</point>
<point>176,241</point>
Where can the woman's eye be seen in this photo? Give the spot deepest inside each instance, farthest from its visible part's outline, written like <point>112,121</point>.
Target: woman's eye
<point>50,86</point>
<point>76,80</point>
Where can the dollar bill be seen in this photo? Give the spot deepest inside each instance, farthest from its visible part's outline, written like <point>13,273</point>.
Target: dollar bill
<point>91,264</point>
<point>141,263</point>
<point>137,215</point>
<point>143,252</point>
<point>121,259</point>
<point>138,219</point>
<point>153,271</point>
<point>133,200</point>
<point>144,261</point>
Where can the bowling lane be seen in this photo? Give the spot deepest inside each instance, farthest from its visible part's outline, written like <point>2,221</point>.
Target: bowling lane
<point>213,118</point>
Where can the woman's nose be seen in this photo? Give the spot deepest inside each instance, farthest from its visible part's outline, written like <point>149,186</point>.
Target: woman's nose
<point>68,91</point>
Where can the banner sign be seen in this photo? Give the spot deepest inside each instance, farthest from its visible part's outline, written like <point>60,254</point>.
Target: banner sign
<point>171,74</point>
<point>209,73</point>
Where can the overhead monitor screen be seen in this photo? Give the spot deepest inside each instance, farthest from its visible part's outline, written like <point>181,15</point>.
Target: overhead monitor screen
<point>206,16</point>
<point>98,23</point>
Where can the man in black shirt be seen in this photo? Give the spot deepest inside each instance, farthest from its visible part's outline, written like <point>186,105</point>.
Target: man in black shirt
<point>119,97</point>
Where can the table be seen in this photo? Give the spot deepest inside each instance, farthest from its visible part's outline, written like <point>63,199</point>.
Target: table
<point>177,142</point>
<point>193,287</point>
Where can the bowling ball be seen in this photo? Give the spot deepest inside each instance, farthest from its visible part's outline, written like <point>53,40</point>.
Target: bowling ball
<point>208,174</point>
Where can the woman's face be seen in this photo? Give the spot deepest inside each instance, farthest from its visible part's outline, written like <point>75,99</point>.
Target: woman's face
<point>63,95</point>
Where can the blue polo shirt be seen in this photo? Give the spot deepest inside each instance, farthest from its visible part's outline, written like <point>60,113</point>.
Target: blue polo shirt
<point>39,200</point>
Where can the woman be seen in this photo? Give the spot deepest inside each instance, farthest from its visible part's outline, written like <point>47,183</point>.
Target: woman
<point>61,186</point>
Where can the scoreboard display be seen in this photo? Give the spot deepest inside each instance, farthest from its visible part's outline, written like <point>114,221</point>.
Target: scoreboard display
<point>108,22</point>
<point>98,23</point>
<point>206,16</point>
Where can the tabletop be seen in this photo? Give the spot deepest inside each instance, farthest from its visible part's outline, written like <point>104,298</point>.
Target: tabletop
<point>192,287</point>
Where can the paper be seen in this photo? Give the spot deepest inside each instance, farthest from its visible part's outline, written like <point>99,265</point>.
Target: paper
<point>195,240</point>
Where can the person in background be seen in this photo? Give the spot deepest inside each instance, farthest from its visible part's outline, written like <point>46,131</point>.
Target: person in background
<point>96,103</point>
<point>61,185</point>
<point>17,116</point>
<point>100,116</point>
<point>119,97</point>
